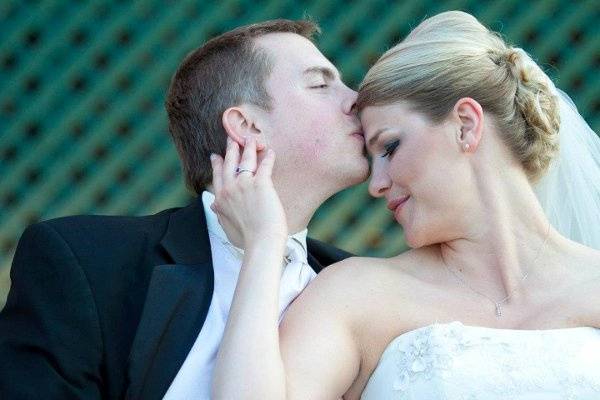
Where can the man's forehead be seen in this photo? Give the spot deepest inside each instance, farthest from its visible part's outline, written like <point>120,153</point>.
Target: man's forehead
<point>328,72</point>
<point>289,47</point>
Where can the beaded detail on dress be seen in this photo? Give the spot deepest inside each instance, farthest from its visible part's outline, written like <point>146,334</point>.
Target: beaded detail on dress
<point>455,362</point>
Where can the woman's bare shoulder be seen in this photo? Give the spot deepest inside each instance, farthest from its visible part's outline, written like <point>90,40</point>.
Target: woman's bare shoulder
<point>577,285</point>
<point>363,270</point>
<point>357,283</point>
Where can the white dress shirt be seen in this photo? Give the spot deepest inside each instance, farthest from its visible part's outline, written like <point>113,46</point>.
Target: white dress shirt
<point>193,381</point>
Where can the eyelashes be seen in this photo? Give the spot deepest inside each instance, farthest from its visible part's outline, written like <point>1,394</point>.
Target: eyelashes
<point>390,148</point>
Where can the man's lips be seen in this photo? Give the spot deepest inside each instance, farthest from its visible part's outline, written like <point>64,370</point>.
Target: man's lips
<point>394,204</point>
<point>359,135</point>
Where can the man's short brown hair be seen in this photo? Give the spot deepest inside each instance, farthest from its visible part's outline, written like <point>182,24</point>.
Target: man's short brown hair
<point>227,70</point>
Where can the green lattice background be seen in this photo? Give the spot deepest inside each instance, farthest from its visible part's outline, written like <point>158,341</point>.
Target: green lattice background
<point>83,130</point>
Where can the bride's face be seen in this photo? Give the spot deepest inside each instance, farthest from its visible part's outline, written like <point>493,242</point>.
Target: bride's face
<point>417,166</point>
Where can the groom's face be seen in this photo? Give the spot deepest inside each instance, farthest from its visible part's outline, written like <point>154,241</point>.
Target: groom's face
<point>312,125</point>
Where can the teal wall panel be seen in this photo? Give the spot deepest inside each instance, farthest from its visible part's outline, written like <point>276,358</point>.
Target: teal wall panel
<point>82,85</point>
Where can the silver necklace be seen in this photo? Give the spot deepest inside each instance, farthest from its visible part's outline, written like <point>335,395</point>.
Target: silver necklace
<point>497,304</point>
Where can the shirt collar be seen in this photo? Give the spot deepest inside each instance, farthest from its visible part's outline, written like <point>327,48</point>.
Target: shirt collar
<point>216,229</point>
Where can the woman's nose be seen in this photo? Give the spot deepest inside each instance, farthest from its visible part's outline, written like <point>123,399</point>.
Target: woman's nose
<point>379,182</point>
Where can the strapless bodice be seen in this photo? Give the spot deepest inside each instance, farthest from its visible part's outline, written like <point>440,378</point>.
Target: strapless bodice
<point>455,361</point>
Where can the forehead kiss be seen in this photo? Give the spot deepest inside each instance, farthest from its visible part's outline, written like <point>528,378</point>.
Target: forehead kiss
<point>380,125</point>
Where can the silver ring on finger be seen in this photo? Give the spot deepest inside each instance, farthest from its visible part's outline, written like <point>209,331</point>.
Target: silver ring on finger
<point>239,170</point>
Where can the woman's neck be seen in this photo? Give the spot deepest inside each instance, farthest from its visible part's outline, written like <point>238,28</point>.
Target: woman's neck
<point>507,236</point>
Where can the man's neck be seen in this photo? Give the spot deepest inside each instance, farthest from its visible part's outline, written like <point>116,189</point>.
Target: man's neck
<point>298,213</point>
<point>301,205</point>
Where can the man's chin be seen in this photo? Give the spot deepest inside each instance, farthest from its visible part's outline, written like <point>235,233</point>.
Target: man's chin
<point>356,173</point>
<point>362,177</point>
<point>365,169</point>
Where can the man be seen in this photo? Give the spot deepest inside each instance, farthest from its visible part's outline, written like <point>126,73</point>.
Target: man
<point>113,307</point>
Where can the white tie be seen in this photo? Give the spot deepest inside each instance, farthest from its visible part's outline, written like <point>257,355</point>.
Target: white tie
<point>296,274</point>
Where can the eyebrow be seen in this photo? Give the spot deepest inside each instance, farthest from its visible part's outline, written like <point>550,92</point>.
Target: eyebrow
<point>328,73</point>
<point>376,135</point>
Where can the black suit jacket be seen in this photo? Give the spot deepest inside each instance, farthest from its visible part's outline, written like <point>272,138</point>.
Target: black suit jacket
<point>109,307</point>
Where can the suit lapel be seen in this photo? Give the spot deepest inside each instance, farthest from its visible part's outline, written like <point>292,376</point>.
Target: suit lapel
<point>313,262</point>
<point>178,299</point>
<point>321,255</point>
<point>176,305</point>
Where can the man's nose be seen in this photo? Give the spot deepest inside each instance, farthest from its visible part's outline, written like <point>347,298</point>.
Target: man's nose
<point>350,101</point>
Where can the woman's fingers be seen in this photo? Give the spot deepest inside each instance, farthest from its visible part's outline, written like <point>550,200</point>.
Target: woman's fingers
<point>266,165</point>
<point>246,203</point>
<point>248,160</point>
<point>232,160</point>
<point>217,172</point>
<point>225,170</point>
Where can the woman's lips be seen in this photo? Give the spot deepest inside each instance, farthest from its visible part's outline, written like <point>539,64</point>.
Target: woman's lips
<point>396,205</point>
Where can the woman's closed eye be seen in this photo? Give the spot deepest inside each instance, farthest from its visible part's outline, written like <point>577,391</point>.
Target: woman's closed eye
<point>320,86</point>
<point>390,148</point>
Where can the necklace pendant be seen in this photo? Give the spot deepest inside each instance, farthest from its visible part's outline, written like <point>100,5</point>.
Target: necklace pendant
<point>498,310</point>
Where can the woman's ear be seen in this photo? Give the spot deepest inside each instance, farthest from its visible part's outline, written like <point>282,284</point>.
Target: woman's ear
<point>469,116</point>
<point>239,123</point>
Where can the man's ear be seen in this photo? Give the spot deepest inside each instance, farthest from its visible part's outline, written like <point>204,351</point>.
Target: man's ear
<point>239,123</point>
<point>469,116</point>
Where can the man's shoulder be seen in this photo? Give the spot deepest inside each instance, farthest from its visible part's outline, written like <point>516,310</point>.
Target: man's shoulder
<point>98,237</point>
<point>108,222</point>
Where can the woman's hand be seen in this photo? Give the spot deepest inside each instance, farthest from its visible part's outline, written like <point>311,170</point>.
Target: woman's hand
<point>246,202</point>
<point>249,354</point>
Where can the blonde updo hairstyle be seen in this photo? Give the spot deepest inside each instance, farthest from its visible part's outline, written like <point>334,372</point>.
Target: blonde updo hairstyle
<point>451,56</point>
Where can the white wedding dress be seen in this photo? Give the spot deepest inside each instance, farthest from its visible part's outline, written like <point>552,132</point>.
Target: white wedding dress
<point>459,362</point>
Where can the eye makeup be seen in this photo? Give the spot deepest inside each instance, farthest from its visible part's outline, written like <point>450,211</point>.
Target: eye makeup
<point>390,147</point>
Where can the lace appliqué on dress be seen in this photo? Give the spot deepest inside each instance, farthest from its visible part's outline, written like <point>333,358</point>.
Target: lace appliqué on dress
<point>454,361</point>
<point>430,353</point>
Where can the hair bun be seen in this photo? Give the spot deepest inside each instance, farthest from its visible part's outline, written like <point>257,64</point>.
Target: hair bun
<point>513,56</point>
<point>517,61</point>
<point>538,105</point>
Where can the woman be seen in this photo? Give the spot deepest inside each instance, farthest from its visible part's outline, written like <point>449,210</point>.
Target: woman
<point>491,302</point>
